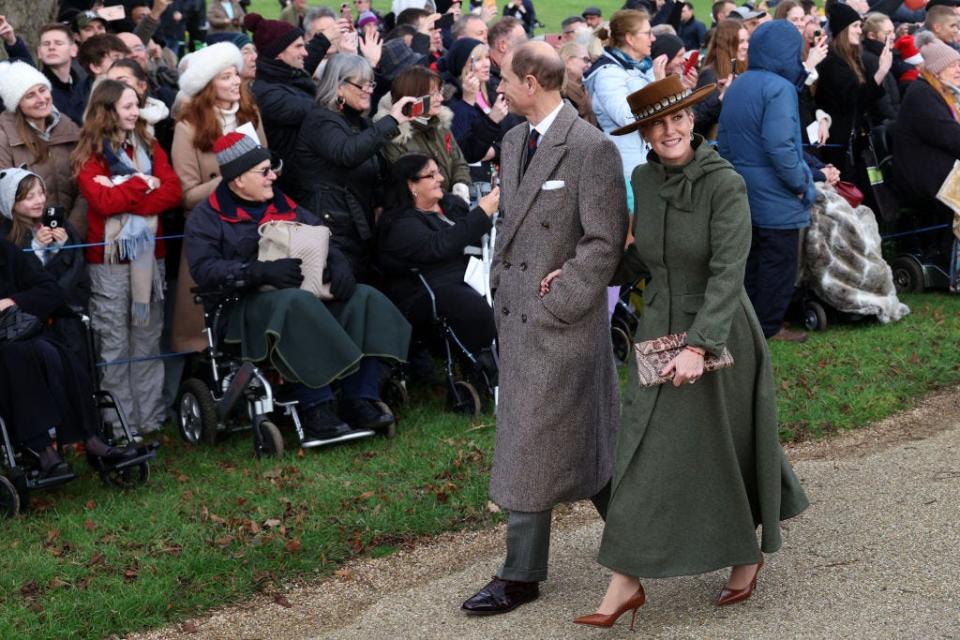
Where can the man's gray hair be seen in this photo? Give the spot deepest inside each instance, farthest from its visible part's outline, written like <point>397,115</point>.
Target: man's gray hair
<point>315,13</point>
<point>339,69</point>
<point>461,24</point>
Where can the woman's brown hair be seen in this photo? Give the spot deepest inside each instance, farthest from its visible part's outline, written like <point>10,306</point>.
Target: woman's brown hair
<point>723,49</point>
<point>621,23</point>
<point>849,53</point>
<point>36,145</point>
<point>201,114</point>
<point>20,230</point>
<point>784,8</point>
<point>415,81</point>
<point>100,122</point>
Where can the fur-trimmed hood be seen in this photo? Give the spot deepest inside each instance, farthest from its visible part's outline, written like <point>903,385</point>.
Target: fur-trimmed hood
<point>443,120</point>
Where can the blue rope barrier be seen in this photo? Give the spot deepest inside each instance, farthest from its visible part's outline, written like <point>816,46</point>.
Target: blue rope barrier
<point>159,356</point>
<point>102,244</point>
<point>915,231</point>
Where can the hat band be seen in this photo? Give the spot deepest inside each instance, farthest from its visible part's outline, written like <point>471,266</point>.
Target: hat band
<point>662,104</point>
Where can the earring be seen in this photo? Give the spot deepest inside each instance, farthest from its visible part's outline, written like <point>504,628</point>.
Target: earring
<point>340,102</point>
<point>415,195</point>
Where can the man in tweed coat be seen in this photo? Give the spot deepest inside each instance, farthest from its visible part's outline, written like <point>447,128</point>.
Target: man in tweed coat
<point>563,221</point>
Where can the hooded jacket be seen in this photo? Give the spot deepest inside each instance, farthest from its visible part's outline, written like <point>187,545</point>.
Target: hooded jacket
<point>433,139</point>
<point>759,131</point>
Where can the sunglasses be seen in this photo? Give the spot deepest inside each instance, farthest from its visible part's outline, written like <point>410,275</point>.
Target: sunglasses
<point>276,170</point>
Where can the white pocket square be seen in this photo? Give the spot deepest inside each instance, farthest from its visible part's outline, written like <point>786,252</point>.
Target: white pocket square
<point>550,185</point>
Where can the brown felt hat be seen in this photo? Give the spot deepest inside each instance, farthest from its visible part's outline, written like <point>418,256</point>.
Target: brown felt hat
<point>660,98</point>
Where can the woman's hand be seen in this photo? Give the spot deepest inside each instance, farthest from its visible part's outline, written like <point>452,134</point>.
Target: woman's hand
<point>397,109</point>
<point>823,131</point>
<point>723,84</point>
<point>548,281</point>
<point>490,202</point>
<point>499,109</point>
<point>372,48</point>
<point>690,80</point>
<point>660,67</point>
<point>103,181</point>
<point>470,88</point>
<point>60,235</point>
<point>686,367</point>
<point>883,66</point>
<point>6,303</point>
<point>832,174</point>
<point>45,235</point>
<point>817,53</point>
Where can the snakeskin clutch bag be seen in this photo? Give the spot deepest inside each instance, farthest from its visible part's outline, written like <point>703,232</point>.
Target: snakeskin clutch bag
<point>654,355</point>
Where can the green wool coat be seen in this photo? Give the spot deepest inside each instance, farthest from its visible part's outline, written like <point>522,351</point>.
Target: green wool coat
<point>698,468</point>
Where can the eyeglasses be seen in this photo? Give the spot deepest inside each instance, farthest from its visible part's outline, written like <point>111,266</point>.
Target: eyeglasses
<point>366,86</point>
<point>647,33</point>
<point>433,174</point>
<point>266,171</point>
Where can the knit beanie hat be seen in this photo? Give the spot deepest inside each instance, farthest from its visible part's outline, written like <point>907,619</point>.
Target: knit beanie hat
<point>270,36</point>
<point>841,16</point>
<point>458,55</point>
<point>937,56</point>
<point>668,44</point>
<point>207,63</point>
<point>239,39</point>
<point>16,78</point>
<point>366,18</point>
<point>237,153</point>
<point>10,180</point>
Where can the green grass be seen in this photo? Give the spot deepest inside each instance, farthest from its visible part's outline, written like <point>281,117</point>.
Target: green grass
<point>214,524</point>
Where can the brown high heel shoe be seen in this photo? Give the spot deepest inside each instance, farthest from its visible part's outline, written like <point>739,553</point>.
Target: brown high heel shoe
<point>603,620</point>
<point>733,596</point>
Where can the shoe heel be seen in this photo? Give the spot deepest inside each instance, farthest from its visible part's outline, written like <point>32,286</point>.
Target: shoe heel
<point>633,618</point>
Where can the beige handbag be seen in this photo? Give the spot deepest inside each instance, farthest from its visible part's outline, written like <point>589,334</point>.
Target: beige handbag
<point>310,243</point>
<point>654,355</point>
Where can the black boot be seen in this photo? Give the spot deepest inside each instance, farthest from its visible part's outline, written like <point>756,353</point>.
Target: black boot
<point>322,423</point>
<point>365,414</point>
<point>100,449</point>
<point>52,464</point>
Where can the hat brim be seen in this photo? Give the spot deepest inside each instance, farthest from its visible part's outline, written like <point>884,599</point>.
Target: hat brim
<point>699,95</point>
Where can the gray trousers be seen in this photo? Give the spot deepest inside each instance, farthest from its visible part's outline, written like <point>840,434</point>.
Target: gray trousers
<point>136,386</point>
<point>528,541</point>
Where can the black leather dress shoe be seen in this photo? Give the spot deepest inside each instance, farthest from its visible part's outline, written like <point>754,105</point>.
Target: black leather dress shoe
<point>501,596</point>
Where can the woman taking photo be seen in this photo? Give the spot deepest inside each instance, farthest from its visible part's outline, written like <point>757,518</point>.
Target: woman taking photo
<point>430,133</point>
<point>427,230</point>
<point>127,181</point>
<point>34,133</point>
<point>624,68</point>
<point>725,60</point>
<point>692,230</point>
<point>339,164</point>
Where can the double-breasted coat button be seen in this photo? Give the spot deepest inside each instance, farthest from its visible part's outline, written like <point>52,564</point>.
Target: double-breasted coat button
<point>506,265</point>
<point>523,317</point>
<point>523,266</point>
<point>506,311</point>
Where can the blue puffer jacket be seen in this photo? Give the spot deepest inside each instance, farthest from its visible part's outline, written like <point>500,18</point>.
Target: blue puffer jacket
<point>760,129</point>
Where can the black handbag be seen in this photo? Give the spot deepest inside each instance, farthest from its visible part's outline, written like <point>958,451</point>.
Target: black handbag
<point>16,324</point>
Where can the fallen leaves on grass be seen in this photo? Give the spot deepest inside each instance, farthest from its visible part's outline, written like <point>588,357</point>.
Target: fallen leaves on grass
<point>293,546</point>
<point>281,600</point>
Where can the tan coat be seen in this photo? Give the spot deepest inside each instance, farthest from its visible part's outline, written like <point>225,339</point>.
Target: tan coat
<point>558,413</point>
<point>55,171</point>
<point>218,19</point>
<point>199,176</point>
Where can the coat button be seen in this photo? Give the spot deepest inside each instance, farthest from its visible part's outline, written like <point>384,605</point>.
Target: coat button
<point>523,317</point>
<point>506,311</point>
<point>523,266</point>
<point>506,265</point>
<point>545,224</point>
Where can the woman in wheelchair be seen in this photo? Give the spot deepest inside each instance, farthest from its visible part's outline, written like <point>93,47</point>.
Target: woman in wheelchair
<point>41,389</point>
<point>426,231</point>
<point>309,341</point>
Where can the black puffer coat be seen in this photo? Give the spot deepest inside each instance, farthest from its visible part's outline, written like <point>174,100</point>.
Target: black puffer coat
<point>337,172</point>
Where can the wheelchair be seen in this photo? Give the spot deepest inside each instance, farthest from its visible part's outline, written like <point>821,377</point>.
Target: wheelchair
<point>225,394</point>
<point>20,472</point>
<point>471,378</point>
<point>626,319</point>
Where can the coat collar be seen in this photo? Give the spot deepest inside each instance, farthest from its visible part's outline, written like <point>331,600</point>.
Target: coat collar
<point>223,202</point>
<point>442,121</point>
<point>64,131</point>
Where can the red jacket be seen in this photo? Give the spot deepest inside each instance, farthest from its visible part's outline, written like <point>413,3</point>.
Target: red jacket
<point>128,197</point>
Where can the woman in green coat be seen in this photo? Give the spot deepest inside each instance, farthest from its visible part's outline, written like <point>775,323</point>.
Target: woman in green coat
<point>699,465</point>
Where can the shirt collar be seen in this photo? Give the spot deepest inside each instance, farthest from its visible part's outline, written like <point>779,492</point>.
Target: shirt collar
<point>544,124</point>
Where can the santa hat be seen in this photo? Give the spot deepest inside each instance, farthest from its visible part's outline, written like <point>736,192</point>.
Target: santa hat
<point>907,47</point>
<point>10,179</point>
<point>270,37</point>
<point>16,78</point>
<point>238,153</point>
<point>207,63</point>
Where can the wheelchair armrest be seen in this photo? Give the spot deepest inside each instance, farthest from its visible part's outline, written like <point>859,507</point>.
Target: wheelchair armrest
<point>222,293</point>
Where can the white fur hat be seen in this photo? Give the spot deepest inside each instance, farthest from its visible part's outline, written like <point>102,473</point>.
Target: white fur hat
<point>207,63</point>
<point>16,78</point>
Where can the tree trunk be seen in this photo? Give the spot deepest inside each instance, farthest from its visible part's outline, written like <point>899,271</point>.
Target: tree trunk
<point>27,16</point>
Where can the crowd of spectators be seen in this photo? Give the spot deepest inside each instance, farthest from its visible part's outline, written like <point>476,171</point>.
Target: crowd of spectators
<point>126,125</point>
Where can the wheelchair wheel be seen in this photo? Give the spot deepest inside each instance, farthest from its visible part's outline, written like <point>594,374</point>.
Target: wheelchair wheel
<point>814,316</point>
<point>394,393</point>
<point>621,343</point>
<point>908,275</point>
<point>465,399</point>
<point>197,413</point>
<point>391,431</point>
<point>271,442</point>
<point>127,477</point>
<point>9,499</point>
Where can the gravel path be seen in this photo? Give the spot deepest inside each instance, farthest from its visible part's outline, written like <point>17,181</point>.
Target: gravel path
<point>877,555</point>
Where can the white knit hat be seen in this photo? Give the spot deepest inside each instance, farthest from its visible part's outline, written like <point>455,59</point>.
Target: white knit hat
<point>16,78</point>
<point>207,63</point>
<point>10,179</point>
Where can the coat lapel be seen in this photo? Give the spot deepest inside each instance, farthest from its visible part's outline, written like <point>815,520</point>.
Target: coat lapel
<point>527,185</point>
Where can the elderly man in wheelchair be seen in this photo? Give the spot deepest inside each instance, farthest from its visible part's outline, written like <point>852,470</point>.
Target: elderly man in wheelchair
<point>310,321</point>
